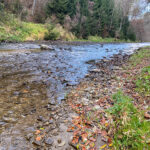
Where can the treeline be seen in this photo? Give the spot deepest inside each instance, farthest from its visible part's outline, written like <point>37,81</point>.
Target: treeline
<point>94,17</point>
<point>83,17</point>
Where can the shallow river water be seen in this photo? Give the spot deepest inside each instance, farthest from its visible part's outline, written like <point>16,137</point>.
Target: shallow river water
<point>30,78</point>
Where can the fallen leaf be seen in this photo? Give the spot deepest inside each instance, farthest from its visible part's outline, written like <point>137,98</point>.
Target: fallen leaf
<point>38,138</point>
<point>93,139</point>
<point>103,133</point>
<point>37,132</point>
<point>102,147</point>
<point>109,140</point>
<point>75,140</point>
<point>92,144</point>
<point>84,136</point>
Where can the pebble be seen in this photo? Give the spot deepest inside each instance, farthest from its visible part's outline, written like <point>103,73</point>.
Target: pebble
<point>29,136</point>
<point>97,107</point>
<point>40,118</point>
<point>38,143</point>
<point>85,101</point>
<point>49,141</point>
<point>52,102</point>
<point>62,144</point>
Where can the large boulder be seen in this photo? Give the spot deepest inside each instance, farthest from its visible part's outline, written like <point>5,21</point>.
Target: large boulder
<point>46,47</point>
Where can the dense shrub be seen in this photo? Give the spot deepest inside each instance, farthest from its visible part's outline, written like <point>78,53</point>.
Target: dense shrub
<point>51,34</point>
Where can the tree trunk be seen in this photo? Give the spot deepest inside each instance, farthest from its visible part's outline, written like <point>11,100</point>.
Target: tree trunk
<point>33,7</point>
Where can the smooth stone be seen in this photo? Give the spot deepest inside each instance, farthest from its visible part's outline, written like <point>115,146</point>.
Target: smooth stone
<point>97,107</point>
<point>40,118</point>
<point>85,101</point>
<point>46,47</point>
<point>52,102</point>
<point>116,68</point>
<point>49,141</point>
<point>7,119</point>
<point>95,70</point>
<point>61,144</point>
<point>29,136</point>
<point>38,143</point>
<point>2,123</point>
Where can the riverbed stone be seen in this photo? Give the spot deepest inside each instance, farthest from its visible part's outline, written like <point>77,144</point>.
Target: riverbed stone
<point>97,107</point>
<point>85,101</point>
<point>46,47</point>
<point>49,141</point>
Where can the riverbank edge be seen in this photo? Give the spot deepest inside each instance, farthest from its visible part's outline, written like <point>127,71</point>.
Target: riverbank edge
<point>61,42</point>
<point>98,124</point>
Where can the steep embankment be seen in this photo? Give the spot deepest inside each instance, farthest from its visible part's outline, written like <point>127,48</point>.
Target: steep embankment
<point>14,30</point>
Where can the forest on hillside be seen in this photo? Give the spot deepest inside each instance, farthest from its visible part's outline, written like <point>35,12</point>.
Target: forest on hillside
<point>105,18</point>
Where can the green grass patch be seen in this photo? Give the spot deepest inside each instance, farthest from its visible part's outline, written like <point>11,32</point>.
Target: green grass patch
<point>102,40</point>
<point>143,82</point>
<point>139,56</point>
<point>12,29</point>
<point>131,130</point>
<point>107,40</point>
<point>16,30</point>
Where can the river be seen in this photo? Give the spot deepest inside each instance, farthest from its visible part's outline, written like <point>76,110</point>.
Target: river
<point>31,78</point>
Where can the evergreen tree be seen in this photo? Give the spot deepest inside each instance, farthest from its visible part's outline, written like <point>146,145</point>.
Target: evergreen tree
<point>59,8</point>
<point>104,20</point>
<point>71,8</point>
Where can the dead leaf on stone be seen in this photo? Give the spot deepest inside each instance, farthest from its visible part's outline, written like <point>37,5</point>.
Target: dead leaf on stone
<point>147,115</point>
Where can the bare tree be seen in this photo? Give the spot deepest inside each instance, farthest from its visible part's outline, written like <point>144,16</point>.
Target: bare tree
<point>33,7</point>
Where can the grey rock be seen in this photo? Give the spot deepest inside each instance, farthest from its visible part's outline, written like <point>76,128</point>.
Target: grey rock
<point>52,102</point>
<point>40,118</point>
<point>29,136</point>
<point>117,68</point>
<point>85,101</point>
<point>61,144</point>
<point>49,141</point>
<point>97,107</point>
<point>2,123</point>
<point>38,143</point>
<point>95,70</point>
<point>9,119</point>
<point>46,47</point>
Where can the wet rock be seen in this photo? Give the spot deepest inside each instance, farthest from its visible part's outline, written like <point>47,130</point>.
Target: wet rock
<point>105,60</point>
<point>38,143</point>
<point>87,75</point>
<point>68,48</point>
<point>40,118</point>
<point>2,123</point>
<point>52,102</point>
<point>117,68</point>
<point>29,136</point>
<point>90,62</point>
<point>51,121</point>
<point>9,119</point>
<point>33,111</point>
<point>49,72</point>
<point>46,47</point>
<point>70,84</point>
<point>49,141</point>
<point>16,93</point>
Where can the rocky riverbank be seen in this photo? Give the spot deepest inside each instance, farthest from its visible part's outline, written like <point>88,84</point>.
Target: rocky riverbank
<point>93,127</point>
<point>80,121</point>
